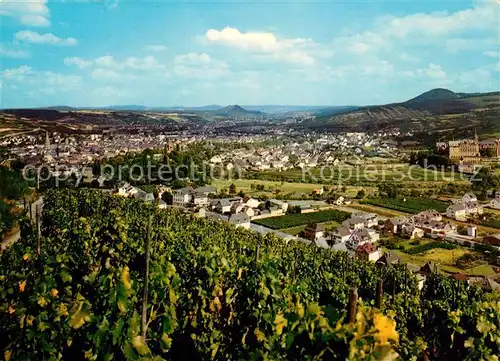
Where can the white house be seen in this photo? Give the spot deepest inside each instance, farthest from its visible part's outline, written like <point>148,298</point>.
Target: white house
<point>457,212</point>
<point>341,234</point>
<point>361,236</point>
<point>283,205</point>
<point>126,190</point>
<point>354,223</point>
<point>144,196</point>
<point>369,219</point>
<point>237,207</point>
<point>412,232</point>
<point>249,211</point>
<point>240,220</point>
<point>469,197</point>
<point>223,206</point>
<point>200,199</point>
<point>338,200</point>
<point>430,215</point>
<point>251,202</point>
<point>495,203</point>
<point>181,196</point>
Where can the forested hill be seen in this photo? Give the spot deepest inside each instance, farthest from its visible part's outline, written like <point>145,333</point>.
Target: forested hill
<point>438,110</point>
<point>210,291</point>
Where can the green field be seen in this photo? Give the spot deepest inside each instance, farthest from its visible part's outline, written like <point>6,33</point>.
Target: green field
<point>294,220</point>
<point>332,225</point>
<point>363,174</point>
<point>245,185</point>
<point>409,205</point>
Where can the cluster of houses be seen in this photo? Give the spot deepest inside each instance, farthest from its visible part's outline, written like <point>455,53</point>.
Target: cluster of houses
<point>356,236</point>
<point>237,210</point>
<point>127,190</point>
<point>464,207</point>
<point>326,149</point>
<point>495,202</point>
<point>427,223</point>
<point>241,210</point>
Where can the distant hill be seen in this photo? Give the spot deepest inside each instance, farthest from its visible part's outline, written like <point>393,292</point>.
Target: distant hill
<point>438,110</point>
<point>236,111</point>
<point>126,107</point>
<point>60,108</point>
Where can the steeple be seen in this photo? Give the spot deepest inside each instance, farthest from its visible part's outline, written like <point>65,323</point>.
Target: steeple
<point>47,143</point>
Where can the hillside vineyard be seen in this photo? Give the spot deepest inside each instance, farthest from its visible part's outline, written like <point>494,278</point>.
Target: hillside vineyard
<point>214,292</point>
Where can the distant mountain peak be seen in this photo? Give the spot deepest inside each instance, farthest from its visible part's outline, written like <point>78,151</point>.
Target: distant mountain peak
<point>435,94</point>
<point>235,108</point>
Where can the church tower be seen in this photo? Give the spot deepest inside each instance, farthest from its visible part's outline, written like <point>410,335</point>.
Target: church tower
<point>47,143</point>
<point>476,143</point>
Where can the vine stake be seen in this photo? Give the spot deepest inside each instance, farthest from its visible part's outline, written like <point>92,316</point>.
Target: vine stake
<point>353,299</point>
<point>378,302</point>
<point>146,280</point>
<point>38,231</point>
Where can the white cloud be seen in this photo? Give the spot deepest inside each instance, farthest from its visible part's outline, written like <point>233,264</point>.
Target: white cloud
<point>47,38</point>
<point>13,53</point>
<point>404,56</point>
<point>146,63</point>
<point>41,79</point>
<point>362,43</point>
<point>492,53</point>
<point>192,58</point>
<point>62,80</point>
<point>478,79</point>
<point>78,62</point>
<point>391,33</point>
<point>108,92</point>
<point>110,4</point>
<point>155,48</point>
<point>358,48</point>
<point>248,41</point>
<point>104,74</point>
<point>106,61</point>
<point>28,12</point>
<point>432,71</point>
<point>17,73</point>
<point>35,20</point>
<point>199,65</point>
<point>296,57</point>
<point>484,15</point>
<point>297,50</point>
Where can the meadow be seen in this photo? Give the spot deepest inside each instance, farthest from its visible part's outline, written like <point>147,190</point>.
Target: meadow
<point>409,205</point>
<point>294,220</point>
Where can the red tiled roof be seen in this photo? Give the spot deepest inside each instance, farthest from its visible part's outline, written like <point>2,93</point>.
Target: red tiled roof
<point>366,248</point>
<point>459,277</point>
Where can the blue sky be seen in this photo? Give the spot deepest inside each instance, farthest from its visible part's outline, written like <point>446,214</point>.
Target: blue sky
<point>98,53</point>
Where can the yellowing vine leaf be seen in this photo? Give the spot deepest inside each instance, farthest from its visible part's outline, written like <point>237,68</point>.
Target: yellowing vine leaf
<point>260,335</point>
<point>140,345</point>
<point>280,322</point>
<point>22,286</point>
<point>78,317</point>
<point>125,276</point>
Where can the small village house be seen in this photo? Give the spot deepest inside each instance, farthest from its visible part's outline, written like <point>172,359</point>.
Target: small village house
<point>341,235</point>
<point>314,231</point>
<point>240,220</point>
<point>367,252</point>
